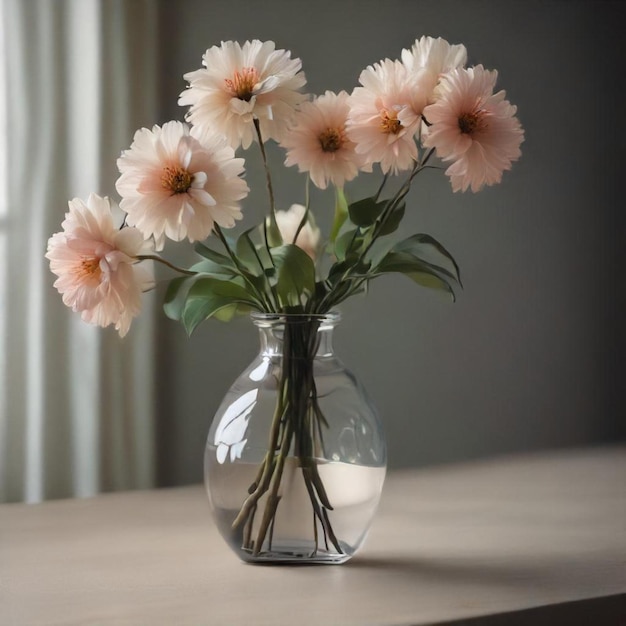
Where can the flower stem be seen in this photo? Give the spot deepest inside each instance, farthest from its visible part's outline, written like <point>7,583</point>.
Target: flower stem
<point>382,185</point>
<point>260,485</point>
<point>273,498</point>
<point>268,176</point>
<point>294,430</point>
<point>301,343</point>
<point>394,202</point>
<point>328,301</point>
<point>274,232</point>
<point>305,217</point>
<point>259,295</point>
<point>155,257</point>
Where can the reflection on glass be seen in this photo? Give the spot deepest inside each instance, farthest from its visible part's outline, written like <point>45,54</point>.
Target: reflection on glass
<point>229,435</point>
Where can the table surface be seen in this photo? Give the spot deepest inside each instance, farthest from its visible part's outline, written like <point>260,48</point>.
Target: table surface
<point>534,539</point>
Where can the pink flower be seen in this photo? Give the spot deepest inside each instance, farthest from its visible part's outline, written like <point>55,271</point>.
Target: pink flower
<point>317,142</point>
<point>243,83</point>
<point>374,122</point>
<point>426,62</point>
<point>178,183</point>
<point>309,235</point>
<point>474,128</point>
<point>96,265</point>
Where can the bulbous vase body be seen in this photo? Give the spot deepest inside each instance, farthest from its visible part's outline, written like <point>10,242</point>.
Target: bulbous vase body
<point>295,457</point>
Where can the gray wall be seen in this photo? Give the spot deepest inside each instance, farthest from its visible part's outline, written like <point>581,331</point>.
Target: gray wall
<point>529,357</point>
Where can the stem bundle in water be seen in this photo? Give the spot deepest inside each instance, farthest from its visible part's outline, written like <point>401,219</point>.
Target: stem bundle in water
<point>296,430</point>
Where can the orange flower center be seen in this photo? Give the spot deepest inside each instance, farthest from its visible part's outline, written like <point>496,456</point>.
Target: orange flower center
<point>89,268</point>
<point>242,83</point>
<point>176,179</point>
<point>471,122</point>
<point>389,122</point>
<point>331,140</point>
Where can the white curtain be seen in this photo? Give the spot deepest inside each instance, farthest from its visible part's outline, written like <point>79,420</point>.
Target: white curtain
<point>76,414</point>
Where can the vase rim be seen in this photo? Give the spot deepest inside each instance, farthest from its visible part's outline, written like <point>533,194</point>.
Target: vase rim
<point>259,317</point>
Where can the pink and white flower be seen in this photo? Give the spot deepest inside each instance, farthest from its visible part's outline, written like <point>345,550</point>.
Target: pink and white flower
<point>97,266</point>
<point>426,62</point>
<point>317,141</point>
<point>473,128</point>
<point>374,122</point>
<point>309,235</point>
<point>241,84</point>
<point>178,183</point>
<point>435,56</point>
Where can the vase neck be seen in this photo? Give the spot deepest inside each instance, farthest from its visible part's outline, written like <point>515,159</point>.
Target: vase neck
<point>302,336</point>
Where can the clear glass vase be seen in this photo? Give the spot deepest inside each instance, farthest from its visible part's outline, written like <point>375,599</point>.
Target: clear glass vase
<point>295,457</point>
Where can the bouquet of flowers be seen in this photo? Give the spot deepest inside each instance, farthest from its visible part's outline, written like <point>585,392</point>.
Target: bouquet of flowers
<point>185,182</point>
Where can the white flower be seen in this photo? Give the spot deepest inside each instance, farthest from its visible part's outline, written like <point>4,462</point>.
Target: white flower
<point>309,235</point>
<point>243,83</point>
<point>178,183</point>
<point>435,56</point>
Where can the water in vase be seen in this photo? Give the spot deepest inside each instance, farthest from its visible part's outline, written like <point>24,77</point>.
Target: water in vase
<point>353,491</point>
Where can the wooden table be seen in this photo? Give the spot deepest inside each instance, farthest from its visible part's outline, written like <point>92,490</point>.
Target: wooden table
<point>538,539</point>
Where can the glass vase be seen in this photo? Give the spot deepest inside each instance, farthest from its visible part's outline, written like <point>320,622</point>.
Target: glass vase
<point>295,457</point>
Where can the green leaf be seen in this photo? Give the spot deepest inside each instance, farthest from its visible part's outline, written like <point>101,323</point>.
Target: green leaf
<point>212,255</point>
<point>432,281</point>
<point>208,296</point>
<point>211,268</point>
<point>356,269</point>
<point>274,238</point>
<point>295,272</point>
<point>175,296</point>
<point>255,258</point>
<point>365,212</point>
<point>348,242</point>
<point>429,250</point>
<point>228,312</point>
<point>417,270</point>
<point>393,221</point>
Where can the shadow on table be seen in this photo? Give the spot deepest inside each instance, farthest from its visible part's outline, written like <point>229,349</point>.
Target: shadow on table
<point>557,575</point>
<point>555,571</point>
<point>605,611</point>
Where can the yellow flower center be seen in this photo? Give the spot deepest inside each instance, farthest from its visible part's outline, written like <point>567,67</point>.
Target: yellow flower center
<point>176,179</point>
<point>89,267</point>
<point>471,122</point>
<point>389,122</point>
<point>242,83</point>
<point>331,140</point>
